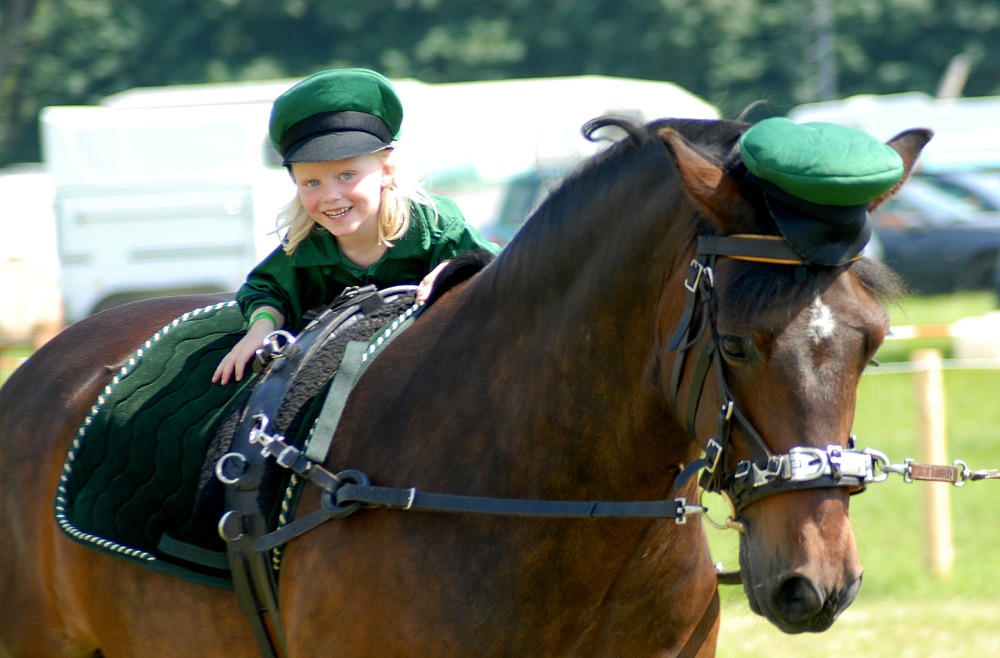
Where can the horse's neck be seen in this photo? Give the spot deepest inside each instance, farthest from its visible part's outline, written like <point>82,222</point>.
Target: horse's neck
<point>578,307</point>
<point>610,259</point>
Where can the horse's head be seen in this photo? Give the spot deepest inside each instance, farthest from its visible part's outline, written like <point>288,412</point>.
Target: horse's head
<point>767,363</point>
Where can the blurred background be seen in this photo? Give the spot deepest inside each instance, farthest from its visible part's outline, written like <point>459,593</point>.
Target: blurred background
<point>134,162</point>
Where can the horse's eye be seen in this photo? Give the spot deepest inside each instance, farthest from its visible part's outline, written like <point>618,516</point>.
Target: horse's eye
<point>732,348</point>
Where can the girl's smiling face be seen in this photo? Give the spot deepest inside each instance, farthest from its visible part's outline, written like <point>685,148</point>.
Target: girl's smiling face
<point>343,196</point>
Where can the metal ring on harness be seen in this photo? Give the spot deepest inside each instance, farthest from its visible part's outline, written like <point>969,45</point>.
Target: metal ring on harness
<point>272,348</point>
<point>222,472</point>
<point>329,500</point>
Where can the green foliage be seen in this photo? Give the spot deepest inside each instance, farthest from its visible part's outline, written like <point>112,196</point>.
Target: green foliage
<point>731,52</point>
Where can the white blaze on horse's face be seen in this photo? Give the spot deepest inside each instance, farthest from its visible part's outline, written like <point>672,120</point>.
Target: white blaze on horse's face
<point>821,322</point>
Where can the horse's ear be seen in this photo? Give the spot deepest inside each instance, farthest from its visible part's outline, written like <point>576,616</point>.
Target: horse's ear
<point>717,195</point>
<point>908,144</point>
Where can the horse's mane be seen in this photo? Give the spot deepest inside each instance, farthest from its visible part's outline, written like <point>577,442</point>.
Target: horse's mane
<point>637,163</point>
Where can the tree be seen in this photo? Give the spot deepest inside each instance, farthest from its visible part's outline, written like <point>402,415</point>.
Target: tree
<point>731,52</point>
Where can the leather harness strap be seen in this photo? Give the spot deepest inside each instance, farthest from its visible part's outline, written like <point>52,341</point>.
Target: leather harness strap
<point>242,469</point>
<point>701,632</point>
<point>344,379</point>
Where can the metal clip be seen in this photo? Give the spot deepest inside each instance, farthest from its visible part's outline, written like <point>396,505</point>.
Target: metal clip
<point>834,458</point>
<point>233,525</point>
<point>730,523</point>
<point>742,471</point>
<point>684,510</point>
<point>777,468</point>
<point>963,473</point>
<point>230,474</point>
<point>879,465</point>
<point>855,464</point>
<point>271,445</point>
<point>259,429</point>
<point>985,474</point>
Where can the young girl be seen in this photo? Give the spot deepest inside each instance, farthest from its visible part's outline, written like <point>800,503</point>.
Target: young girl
<point>350,223</point>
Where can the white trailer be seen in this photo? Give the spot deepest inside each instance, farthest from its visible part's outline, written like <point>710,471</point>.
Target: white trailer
<point>160,200</point>
<point>966,130</point>
<point>176,189</point>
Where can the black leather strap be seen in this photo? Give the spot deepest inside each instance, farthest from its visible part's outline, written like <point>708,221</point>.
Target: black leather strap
<point>411,499</point>
<point>701,632</point>
<point>760,248</point>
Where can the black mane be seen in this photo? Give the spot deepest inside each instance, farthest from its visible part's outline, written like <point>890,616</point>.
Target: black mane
<point>636,164</point>
<point>641,155</point>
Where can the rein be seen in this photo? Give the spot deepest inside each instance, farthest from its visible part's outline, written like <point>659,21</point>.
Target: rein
<point>348,491</point>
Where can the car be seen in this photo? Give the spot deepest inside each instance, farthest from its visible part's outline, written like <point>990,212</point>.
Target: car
<point>939,242</point>
<point>996,279</point>
<point>980,188</point>
<point>521,196</point>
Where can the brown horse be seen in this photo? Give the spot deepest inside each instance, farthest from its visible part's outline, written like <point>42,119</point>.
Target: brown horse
<point>547,376</point>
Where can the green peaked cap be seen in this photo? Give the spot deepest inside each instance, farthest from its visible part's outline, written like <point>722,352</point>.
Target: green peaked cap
<point>346,112</point>
<point>822,163</point>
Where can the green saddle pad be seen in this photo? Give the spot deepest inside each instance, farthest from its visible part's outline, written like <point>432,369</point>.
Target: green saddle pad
<point>133,483</point>
<point>131,477</point>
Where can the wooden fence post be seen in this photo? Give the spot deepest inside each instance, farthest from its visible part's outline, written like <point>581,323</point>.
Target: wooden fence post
<point>938,549</point>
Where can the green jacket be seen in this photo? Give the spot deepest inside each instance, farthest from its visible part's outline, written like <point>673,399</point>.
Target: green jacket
<point>317,272</point>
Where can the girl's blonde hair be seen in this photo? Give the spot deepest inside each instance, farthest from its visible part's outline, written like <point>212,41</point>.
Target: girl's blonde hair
<point>393,210</point>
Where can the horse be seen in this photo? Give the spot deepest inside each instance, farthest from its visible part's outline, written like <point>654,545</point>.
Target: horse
<point>552,374</point>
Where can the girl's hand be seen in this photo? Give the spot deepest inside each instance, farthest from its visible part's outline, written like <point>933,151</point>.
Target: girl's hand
<point>234,365</point>
<point>425,286</point>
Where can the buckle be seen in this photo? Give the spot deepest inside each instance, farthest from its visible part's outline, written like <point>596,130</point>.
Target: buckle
<point>713,453</point>
<point>807,464</point>
<point>696,271</point>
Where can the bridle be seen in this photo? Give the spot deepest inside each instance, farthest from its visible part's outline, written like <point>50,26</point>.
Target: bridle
<point>765,473</point>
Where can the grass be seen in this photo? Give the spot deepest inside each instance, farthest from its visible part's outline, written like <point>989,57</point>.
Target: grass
<point>10,358</point>
<point>902,628</point>
<point>932,310</point>
<point>941,309</point>
<point>903,610</point>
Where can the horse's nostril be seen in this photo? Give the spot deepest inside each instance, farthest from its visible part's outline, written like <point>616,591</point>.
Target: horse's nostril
<point>796,599</point>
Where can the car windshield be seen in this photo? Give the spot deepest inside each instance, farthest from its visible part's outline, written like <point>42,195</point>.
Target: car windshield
<point>923,202</point>
<point>980,189</point>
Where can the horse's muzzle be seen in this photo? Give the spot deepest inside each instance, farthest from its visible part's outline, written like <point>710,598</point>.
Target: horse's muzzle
<point>797,604</point>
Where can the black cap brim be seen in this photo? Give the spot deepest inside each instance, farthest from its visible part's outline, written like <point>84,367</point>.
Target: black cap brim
<point>821,234</point>
<point>826,235</point>
<point>334,146</point>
